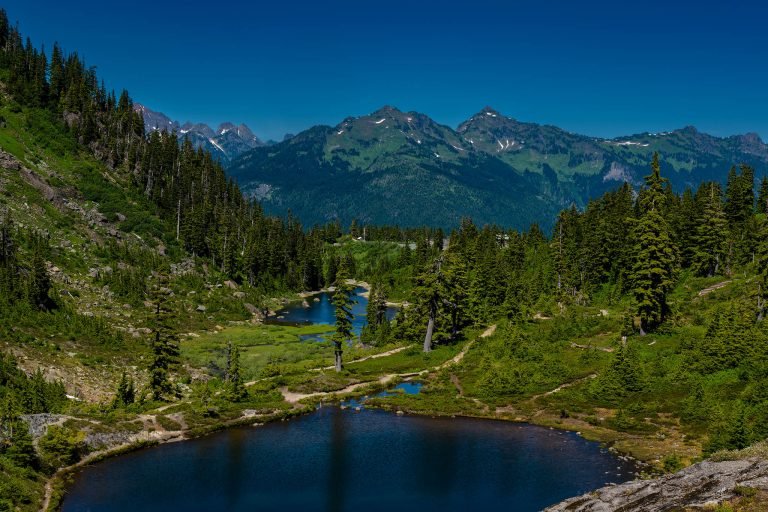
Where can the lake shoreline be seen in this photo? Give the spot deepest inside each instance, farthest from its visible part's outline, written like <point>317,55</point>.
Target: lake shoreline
<point>303,405</point>
<point>61,480</point>
<point>358,284</point>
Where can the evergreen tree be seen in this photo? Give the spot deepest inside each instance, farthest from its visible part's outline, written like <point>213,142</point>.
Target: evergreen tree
<point>740,196</point>
<point>126,392</point>
<point>342,301</point>
<point>655,264</point>
<point>762,270</point>
<point>623,376</point>
<point>236,387</point>
<point>376,315</point>
<point>762,197</point>
<point>711,235</point>
<point>39,282</point>
<point>739,434</point>
<point>165,341</point>
<point>429,292</point>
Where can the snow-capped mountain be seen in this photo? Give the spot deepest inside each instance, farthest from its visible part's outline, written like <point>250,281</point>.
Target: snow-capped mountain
<point>394,167</point>
<point>225,143</point>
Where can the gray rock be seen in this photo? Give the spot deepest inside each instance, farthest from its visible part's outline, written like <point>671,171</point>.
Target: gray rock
<point>694,487</point>
<point>38,423</point>
<point>201,308</point>
<point>8,161</point>
<point>253,309</point>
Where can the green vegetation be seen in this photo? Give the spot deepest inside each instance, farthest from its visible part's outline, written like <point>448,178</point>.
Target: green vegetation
<point>135,280</point>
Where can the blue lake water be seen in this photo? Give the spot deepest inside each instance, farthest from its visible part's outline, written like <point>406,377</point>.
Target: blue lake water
<point>322,312</point>
<point>353,459</point>
<point>408,388</point>
<point>347,460</point>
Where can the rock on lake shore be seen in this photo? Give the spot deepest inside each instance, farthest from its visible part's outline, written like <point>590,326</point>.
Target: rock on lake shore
<point>701,486</point>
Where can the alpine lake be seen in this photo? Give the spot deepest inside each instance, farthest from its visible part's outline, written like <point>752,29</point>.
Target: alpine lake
<point>350,458</point>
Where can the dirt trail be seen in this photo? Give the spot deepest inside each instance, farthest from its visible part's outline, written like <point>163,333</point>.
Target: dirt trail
<point>563,386</point>
<point>366,358</point>
<point>289,396</point>
<point>458,357</point>
<point>588,347</point>
<point>294,398</point>
<point>714,287</point>
<point>456,382</point>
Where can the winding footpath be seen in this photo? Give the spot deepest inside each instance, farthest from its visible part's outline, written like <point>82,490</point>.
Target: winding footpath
<point>163,436</point>
<point>294,398</point>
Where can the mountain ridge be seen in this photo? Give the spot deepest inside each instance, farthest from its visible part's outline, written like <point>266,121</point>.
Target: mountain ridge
<point>345,171</point>
<point>225,143</point>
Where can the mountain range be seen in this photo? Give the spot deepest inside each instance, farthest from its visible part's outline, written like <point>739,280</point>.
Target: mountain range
<point>394,167</point>
<point>225,143</point>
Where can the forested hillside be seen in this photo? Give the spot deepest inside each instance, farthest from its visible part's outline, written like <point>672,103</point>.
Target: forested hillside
<point>101,223</point>
<point>393,167</point>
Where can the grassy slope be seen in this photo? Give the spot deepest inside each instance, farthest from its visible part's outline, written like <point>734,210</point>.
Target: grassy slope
<point>647,425</point>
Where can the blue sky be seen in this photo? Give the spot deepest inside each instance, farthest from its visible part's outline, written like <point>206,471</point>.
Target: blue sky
<point>599,68</point>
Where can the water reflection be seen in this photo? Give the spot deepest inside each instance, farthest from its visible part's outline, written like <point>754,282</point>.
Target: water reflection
<point>320,311</point>
<point>337,466</point>
<point>345,460</point>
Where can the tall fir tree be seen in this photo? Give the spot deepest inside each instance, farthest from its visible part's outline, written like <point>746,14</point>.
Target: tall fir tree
<point>653,272</point>
<point>429,293</point>
<point>126,392</point>
<point>342,302</point>
<point>762,196</point>
<point>165,340</point>
<point>235,385</point>
<point>710,240</point>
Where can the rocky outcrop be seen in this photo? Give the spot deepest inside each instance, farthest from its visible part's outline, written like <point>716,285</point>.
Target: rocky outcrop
<point>701,486</point>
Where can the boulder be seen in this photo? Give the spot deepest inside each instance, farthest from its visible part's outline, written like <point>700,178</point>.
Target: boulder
<point>696,487</point>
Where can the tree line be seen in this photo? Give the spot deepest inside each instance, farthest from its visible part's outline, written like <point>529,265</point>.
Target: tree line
<point>627,245</point>
<point>204,211</point>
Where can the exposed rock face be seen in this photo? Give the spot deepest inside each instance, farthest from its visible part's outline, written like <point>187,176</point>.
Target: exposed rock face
<point>702,485</point>
<point>38,423</point>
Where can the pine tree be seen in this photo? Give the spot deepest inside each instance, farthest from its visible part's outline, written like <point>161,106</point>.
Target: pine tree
<point>739,434</point>
<point>342,301</point>
<point>740,196</point>
<point>39,282</point>
<point>454,282</point>
<point>711,235</point>
<point>762,197</point>
<point>429,293</point>
<point>236,387</point>
<point>165,341</point>
<point>655,264</point>
<point>126,392</point>
<point>376,315</point>
<point>762,270</point>
<point>9,271</point>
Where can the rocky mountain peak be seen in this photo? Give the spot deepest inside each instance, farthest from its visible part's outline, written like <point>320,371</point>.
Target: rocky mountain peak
<point>228,141</point>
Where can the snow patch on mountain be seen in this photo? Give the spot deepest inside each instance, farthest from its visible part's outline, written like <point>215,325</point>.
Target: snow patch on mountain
<point>618,172</point>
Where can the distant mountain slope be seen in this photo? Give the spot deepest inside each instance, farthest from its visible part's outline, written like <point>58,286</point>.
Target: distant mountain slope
<point>397,167</point>
<point>225,143</point>
<point>389,167</point>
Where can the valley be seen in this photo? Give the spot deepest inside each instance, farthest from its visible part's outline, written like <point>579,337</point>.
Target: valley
<point>386,313</point>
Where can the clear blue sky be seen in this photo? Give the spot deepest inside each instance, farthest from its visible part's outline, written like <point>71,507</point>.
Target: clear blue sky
<point>600,68</point>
